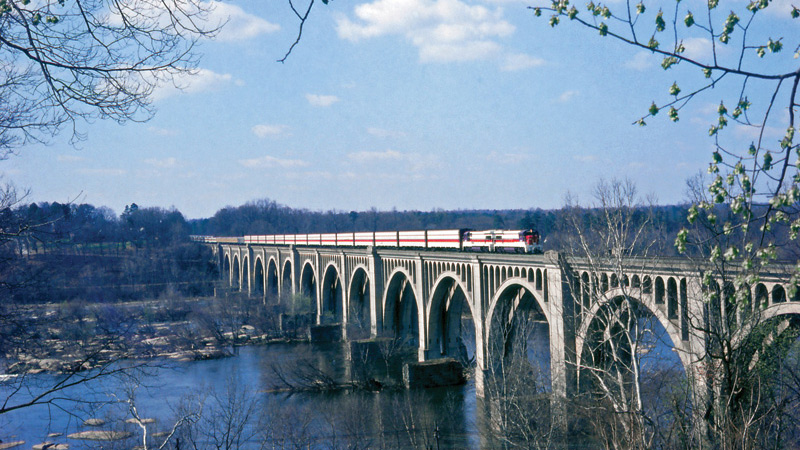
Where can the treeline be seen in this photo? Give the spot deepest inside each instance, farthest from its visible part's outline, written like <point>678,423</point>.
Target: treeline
<point>53,252</point>
<point>269,217</point>
<point>59,252</point>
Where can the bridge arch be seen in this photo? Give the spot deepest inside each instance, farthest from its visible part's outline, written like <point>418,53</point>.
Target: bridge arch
<point>401,309</point>
<point>358,303</point>
<point>286,279</point>
<point>518,338</point>
<point>308,284</point>
<point>226,268</point>
<point>332,301</point>
<point>272,278</point>
<point>246,273</point>
<point>236,273</point>
<point>446,335</point>
<point>651,306</point>
<point>258,277</point>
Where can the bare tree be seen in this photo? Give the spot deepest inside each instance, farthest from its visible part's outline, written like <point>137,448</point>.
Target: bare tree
<point>610,248</point>
<point>65,61</point>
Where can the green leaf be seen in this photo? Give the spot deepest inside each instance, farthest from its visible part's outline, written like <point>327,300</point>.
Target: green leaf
<point>795,12</point>
<point>752,150</point>
<point>606,12</point>
<point>775,46</point>
<point>674,89</point>
<point>537,12</point>
<point>730,22</point>
<point>653,44</point>
<point>603,28</point>
<point>721,109</point>
<point>572,13</point>
<point>717,157</point>
<point>668,62</point>
<point>767,161</point>
<point>660,24</point>
<point>712,4</point>
<point>707,72</point>
<point>761,51</point>
<point>553,20</point>
<point>689,19</point>
<point>640,8</point>
<point>653,109</point>
<point>673,114</point>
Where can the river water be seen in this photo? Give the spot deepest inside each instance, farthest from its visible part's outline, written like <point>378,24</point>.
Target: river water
<point>390,418</point>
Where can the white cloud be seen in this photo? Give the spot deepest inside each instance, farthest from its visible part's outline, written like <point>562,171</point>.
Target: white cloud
<point>699,49</point>
<point>781,8</point>
<point>521,61</point>
<point>238,25</point>
<point>383,133</point>
<point>321,100</point>
<point>102,172</point>
<point>567,96</point>
<point>641,61</point>
<point>203,80</point>
<point>162,163</point>
<point>377,156</point>
<point>70,158</point>
<point>442,30</point>
<point>267,161</point>
<point>265,130</point>
<point>770,135</point>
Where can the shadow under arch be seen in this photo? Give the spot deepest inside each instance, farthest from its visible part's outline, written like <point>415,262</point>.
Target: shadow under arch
<point>235,273</point>
<point>518,337</point>
<point>451,332</point>
<point>272,279</point>
<point>246,274</point>
<point>358,305</point>
<point>401,310</point>
<point>286,280</point>
<point>308,285</point>
<point>258,278</point>
<point>226,268</point>
<point>332,301</point>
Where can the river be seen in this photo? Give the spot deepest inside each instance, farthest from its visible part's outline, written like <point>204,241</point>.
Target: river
<point>437,418</point>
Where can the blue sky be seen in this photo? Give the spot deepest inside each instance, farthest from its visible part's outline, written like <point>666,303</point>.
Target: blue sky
<point>407,104</point>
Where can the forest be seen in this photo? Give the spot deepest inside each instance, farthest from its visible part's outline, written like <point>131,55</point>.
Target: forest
<point>54,252</point>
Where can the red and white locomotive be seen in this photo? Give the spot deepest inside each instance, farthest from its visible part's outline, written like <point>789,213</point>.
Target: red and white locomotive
<point>525,241</point>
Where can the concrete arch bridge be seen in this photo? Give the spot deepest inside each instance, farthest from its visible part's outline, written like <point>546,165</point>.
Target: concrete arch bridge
<point>432,299</point>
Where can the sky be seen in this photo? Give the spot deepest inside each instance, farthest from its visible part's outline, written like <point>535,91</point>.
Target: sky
<point>406,104</point>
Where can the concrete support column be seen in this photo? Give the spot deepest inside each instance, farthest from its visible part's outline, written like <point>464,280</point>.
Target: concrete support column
<point>418,277</point>
<point>375,289</point>
<point>344,280</point>
<point>699,367</point>
<point>558,362</point>
<point>479,306</point>
<point>318,285</point>
<point>250,269</point>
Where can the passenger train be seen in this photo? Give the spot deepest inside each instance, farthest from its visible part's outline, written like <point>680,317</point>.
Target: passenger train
<point>524,241</point>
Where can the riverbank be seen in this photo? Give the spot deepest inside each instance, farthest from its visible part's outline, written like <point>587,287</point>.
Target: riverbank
<point>67,338</point>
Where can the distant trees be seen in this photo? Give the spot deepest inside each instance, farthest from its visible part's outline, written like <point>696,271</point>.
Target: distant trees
<point>65,251</point>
